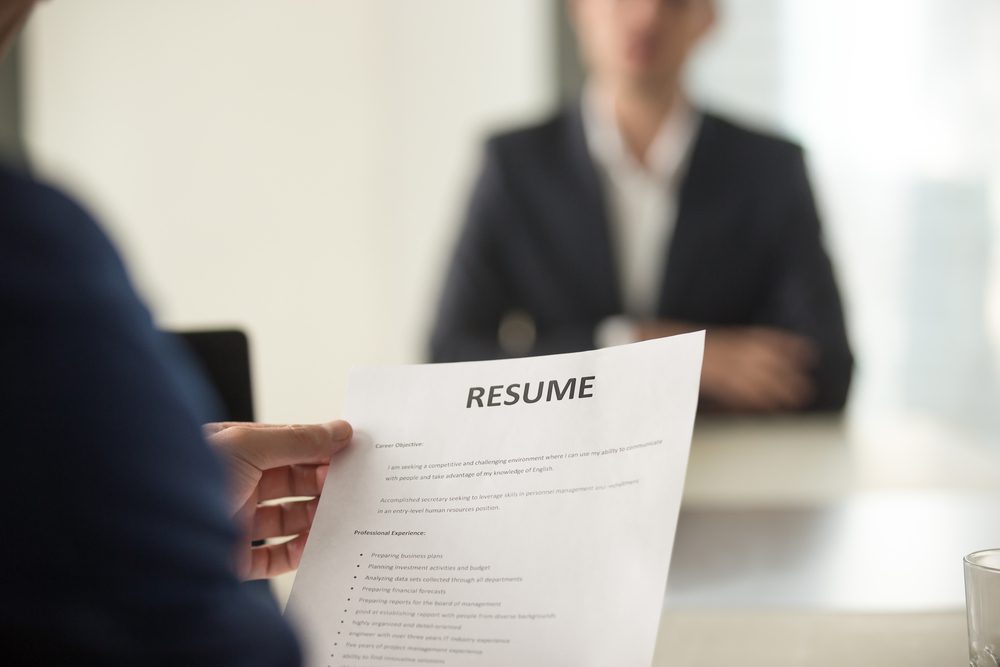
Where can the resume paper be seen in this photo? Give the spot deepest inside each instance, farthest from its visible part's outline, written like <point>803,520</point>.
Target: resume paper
<point>498,513</point>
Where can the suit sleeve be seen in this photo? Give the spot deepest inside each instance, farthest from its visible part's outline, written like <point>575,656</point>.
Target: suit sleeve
<point>803,296</point>
<point>119,544</point>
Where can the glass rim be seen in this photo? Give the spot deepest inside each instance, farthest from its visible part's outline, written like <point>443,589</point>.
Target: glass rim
<point>989,568</point>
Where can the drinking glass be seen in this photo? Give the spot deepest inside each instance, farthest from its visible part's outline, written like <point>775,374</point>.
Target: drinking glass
<point>982,602</point>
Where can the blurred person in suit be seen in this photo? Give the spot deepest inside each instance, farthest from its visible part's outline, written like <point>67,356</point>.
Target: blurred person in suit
<point>128,527</point>
<point>634,215</point>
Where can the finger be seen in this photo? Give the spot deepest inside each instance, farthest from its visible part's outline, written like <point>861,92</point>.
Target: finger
<point>777,360</point>
<point>267,447</point>
<point>289,481</point>
<point>774,377</point>
<point>794,346</point>
<point>284,520</point>
<point>212,428</point>
<point>778,388</point>
<point>742,394</point>
<point>729,390</point>
<point>758,385</point>
<point>785,368</point>
<point>274,559</point>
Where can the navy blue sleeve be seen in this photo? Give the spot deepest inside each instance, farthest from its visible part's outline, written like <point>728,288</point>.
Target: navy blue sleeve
<point>802,293</point>
<point>117,541</point>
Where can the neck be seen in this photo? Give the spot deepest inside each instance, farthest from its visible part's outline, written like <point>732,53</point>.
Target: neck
<point>640,114</point>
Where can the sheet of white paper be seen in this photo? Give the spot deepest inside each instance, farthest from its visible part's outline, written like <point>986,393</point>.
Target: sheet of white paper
<point>517,533</point>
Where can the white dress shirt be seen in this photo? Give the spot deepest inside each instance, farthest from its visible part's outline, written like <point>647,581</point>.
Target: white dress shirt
<point>642,204</point>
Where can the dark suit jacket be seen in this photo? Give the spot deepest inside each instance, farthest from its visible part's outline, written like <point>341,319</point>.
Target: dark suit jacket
<point>117,543</point>
<point>746,249</point>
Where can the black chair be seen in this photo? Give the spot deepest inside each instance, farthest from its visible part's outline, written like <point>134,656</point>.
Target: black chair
<point>224,357</point>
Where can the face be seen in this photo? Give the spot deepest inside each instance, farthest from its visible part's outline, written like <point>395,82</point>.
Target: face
<point>640,43</point>
<point>13,14</point>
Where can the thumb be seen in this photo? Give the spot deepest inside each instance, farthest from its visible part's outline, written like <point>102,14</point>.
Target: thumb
<point>265,446</point>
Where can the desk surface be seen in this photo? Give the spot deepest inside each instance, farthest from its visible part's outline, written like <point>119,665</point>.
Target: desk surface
<point>719,638</point>
<point>802,460</point>
<point>793,528</point>
<point>876,552</point>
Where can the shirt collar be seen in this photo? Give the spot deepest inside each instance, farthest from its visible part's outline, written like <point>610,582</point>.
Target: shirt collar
<point>668,152</point>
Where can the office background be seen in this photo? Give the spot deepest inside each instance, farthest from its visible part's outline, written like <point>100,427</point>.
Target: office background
<point>299,170</point>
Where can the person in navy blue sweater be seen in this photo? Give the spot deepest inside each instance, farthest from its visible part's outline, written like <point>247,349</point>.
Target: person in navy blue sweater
<point>127,525</point>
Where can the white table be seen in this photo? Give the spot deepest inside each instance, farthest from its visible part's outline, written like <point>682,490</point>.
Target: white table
<point>875,552</point>
<point>808,541</point>
<point>786,639</point>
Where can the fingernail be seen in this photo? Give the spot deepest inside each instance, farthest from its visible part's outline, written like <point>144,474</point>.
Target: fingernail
<point>340,430</point>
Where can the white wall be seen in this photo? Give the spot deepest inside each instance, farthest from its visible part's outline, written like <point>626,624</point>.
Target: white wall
<point>295,168</point>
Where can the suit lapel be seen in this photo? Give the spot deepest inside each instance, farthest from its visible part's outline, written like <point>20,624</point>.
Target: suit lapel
<point>706,201</point>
